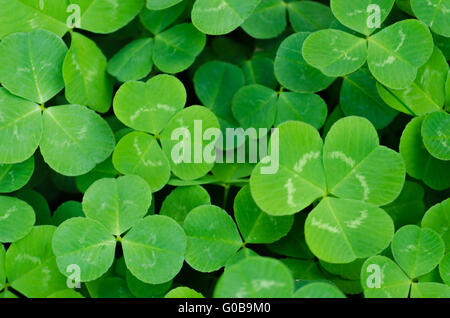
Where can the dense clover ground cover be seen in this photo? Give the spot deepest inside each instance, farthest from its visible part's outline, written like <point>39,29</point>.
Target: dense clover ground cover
<point>95,201</point>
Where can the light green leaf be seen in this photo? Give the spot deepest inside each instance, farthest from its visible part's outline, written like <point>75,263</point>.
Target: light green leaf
<point>85,243</point>
<point>418,251</point>
<point>255,277</point>
<point>436,135</point>
<point>106,16</point>
<point>143,290</point>
<point>15,176</point>
<point>430,290</point>
<point>358,15</point>
<point>85,76</point>
<point>182,200</point>
<point>212,238</point>
<point>133,61</point>
<point>259,70</point>
<point>183,292</point>
<point>309,16</point>
<point>435,13</point>
<point>216,17</point>
<point>176,49</point>
<point>300,179</point>
<point>2,267</point>
<point>256,226</point>
<point>359,97</point>
<point>35,59</point>
<point>334,52</point>
<point>437,218</point>
<point>154,249</point>
<point>293,72</point>
<point>139,154</point>
<point>309,108</point>
<point>215,85</point>
<point>427,92</point>
<point>267,21</point>
<point>319,290</point>
<point>444,269</point>
<point>397,52</point>
<point>16,219</point>
<point>356,166</point>
<point>118,203</point>
<point>75,139</point>
<point>341,230</point>
<point>157,21</point>
<point>183,144</point>
<point>20,128</point>
<point>382,278</point>
<point>65,294</point>
<point>149,106</point>
<point>419,163</point>
<point>255,106</point>
<point>161,4</point>
<point>25,16</point>
<point>31,267</point>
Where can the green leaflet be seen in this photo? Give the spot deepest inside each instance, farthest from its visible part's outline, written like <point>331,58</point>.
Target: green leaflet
<point>217,17</point>
<point>444,269</point>
<point>84,70</point>
<point>309,16</point>
<point>36,59</point>
<point>419,163</point>
<point>117,203</point>
<point>342,230</point>
<point>20,128</point>
<point>334,52</point>
<point>161,4</point>
<point>106,16</point>
<point>255,106</point>
<point>397,52</point>
<point>182,143</point>
<point>319,290</point>
<point>177,48</point>
<point>183,292</point>
<point>15,176</point>
<point>293,72</point>
<point>2,267</point>
<point>255,225</point>
<point>309,108</point>
<point>133,62</point>
<point>437,218</point>
<point>143,290</point>
<point>417,251</point>
<point>426,94</point>
<point>16,219</point>
<point>259,70</point>
<point>157,20</point>
<point>212,238</point>
<point>75,139</point>
<point>436,135</point>
<point>382,278</point>
<point>30,264</point>
<point>267,21</point>
<point>255,277</point>
<point>182,200</point>
<point>158,257</point>
<point>139,154</point>
<point>359,15</point>
<point>67,210</point>
<point>434,14</point>
<point>141,106</point>
<point>25,16</point>
<point>85,243</point>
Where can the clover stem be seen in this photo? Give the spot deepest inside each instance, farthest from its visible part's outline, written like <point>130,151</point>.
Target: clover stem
<point>225,195</point>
